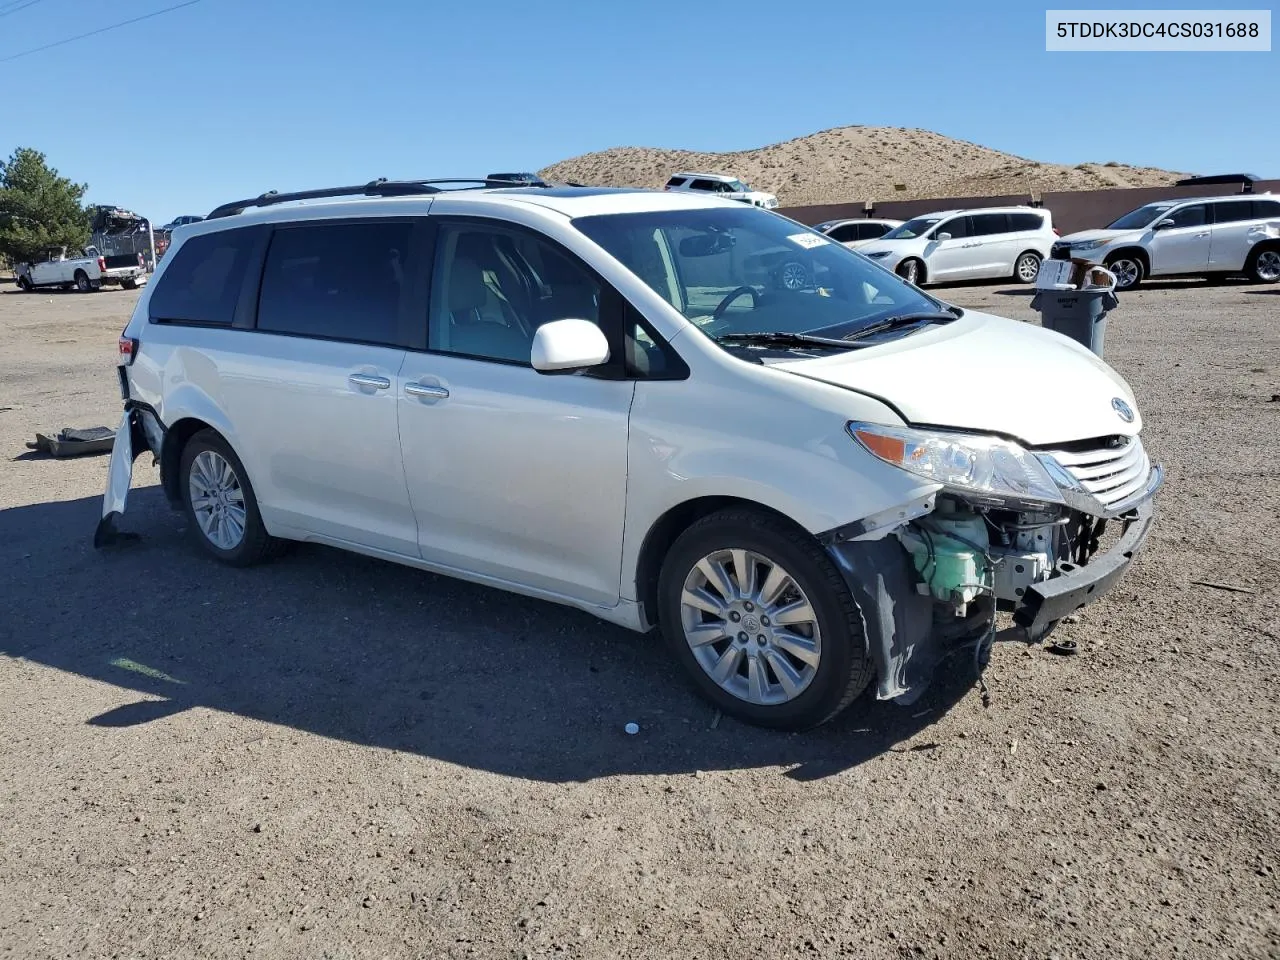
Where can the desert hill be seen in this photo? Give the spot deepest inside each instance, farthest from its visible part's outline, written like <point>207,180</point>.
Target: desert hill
<point>849,164</point>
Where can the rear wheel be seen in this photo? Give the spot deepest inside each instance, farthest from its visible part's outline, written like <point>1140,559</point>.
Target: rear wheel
<point>1264,265</point>
<point>129,284</point>
<point>218,500</point>
<point>1027,267</point>
<point>762,621</point>
<point>911,270</point>
<point>793,276</point>
<point>1128,269</point>
<point>82,282</point>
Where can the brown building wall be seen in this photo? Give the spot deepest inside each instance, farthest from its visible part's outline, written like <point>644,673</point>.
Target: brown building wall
<point>1072,210</point>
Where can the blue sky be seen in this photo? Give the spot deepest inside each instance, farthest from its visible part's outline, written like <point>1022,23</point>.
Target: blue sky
<point>228,98</point>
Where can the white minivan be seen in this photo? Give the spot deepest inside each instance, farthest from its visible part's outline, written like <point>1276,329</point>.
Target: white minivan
<point>984,244</point>
<point>599,398</point>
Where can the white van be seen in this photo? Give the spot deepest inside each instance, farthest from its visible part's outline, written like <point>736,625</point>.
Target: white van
<point>598,398</point>
<point>984,244</point>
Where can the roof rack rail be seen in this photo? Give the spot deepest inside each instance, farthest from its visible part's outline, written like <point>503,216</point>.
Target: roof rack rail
<point>381,187</point>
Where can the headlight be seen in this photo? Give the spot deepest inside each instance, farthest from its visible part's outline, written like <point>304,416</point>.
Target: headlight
<point>985,466</point>
<point>1087,244</point>
<point>876,255</point>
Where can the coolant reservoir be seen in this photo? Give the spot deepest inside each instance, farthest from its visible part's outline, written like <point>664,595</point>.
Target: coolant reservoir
<point>949,552</point>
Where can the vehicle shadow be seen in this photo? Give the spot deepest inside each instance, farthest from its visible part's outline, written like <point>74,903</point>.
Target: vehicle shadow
<point>383,655</point>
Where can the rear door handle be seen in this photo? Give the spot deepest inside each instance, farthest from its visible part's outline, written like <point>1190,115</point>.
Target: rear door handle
<point>369,380</point>
<point>428,391</point>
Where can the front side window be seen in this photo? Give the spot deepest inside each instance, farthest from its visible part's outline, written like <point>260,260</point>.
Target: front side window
<point>336,281</point>
<point>912,228</point>
<point>957,227</point>
<point>492,288</point>
<point>1188,216</point>
<point>744,270</point>
<point>202,281</point>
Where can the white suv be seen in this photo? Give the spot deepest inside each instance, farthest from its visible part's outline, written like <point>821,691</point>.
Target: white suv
<point>982,244</point>
<point>592,397</point>
<point>730,188</point>
<point>1206,236</point>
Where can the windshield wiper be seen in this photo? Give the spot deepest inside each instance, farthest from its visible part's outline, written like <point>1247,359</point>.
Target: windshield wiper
<point>903,320</point>
<point>780,339</point>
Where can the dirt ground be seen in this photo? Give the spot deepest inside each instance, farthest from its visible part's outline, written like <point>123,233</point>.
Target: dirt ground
<point>333,757</point>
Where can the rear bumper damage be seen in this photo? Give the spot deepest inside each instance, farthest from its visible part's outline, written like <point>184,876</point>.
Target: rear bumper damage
<point>140,430</point>
<point>911,624</point>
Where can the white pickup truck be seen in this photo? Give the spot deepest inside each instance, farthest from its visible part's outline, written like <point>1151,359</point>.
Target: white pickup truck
<point>86,273</point>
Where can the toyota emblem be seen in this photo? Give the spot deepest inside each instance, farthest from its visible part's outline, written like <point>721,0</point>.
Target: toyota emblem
<point>1123,409</point>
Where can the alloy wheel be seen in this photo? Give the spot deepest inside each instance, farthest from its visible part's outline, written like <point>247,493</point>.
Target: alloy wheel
<point>794,276</point>
<point>1268,266</point>
<point>1028,268</point>
<point>750,626</point>
<point>217,500</point>
<point>1127,272</point>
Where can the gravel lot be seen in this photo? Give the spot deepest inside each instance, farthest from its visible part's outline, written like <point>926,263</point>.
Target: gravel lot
<point>336,757</point>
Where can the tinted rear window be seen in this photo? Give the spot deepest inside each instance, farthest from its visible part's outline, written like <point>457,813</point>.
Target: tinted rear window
<point>986,224</point>
<point>1233,211</point>
<point>336,281</point>
<point>202,283</point>
<point>704,185</point>
<point>1266,209</point>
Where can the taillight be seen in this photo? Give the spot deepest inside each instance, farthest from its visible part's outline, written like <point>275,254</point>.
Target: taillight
<point>102,264</point>
<point>141,262</point>
<point>128,350</point>
<point>1056,232</point>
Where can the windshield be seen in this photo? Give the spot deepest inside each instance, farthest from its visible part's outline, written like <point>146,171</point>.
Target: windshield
<point>911,229</point>
<point>1143,216</point>
<point>745,270</point>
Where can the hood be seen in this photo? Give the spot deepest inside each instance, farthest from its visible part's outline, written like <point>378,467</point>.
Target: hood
<point>891,246</point>
<point>1103,234</point>
<point>988,374</point>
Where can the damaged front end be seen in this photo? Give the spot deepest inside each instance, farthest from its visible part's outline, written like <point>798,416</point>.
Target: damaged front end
<point>1008,530</point>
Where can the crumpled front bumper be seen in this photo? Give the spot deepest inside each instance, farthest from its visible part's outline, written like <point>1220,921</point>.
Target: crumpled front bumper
<point>1050,600</point>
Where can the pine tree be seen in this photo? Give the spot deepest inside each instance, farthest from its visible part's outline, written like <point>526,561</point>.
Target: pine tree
<point>38,208</point>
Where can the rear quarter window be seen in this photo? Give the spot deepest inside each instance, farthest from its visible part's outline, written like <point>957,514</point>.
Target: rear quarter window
<point>1019,222</point>
<point>201,284</point>
<point>675,182</point>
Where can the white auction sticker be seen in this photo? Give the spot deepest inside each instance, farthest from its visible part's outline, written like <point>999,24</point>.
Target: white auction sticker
<point>808,240</point>
<point>1237,31</point>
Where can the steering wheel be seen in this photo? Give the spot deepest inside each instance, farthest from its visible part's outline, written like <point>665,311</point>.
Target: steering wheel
<point>734,295</point>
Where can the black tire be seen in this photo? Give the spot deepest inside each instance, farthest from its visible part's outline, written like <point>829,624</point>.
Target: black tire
<point>911,270</point>
<point>1263,265</point>
<point>1026,266</point>
<point>256,545</point>
<point>844,668</point>
<point>25,285</point>
<point>129,284</point>
<point>83,283</point>
<point>1127,279</point>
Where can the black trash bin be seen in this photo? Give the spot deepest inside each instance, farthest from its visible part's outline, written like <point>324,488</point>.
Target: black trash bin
<point>1078,314</point>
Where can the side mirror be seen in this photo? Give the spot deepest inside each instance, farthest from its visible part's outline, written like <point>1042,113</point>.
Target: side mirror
<point>943,236</point>
<point>1164,225</point>
<point>563,346</point>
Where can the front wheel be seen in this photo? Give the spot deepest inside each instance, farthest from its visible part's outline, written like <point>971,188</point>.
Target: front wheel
<point>1128,269</point>
<point>25,285</point>
<point>762,621</point>
<point>911,270</point>
<point>1264,265</point>
<point>221,510</point>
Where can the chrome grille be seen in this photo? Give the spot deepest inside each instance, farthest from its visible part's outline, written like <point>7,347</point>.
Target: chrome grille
<point>1109,474</point>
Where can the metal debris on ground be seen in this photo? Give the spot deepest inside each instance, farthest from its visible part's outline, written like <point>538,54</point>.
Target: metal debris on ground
<point>1232,588</point>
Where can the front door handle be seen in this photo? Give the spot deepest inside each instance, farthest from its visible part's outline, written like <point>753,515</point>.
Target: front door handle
<point>428,391</point>
<point>1200,236</point>
<point>369,380</point>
